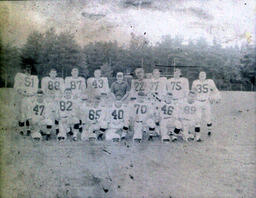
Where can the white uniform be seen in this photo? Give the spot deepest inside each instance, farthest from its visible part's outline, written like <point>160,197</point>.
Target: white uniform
<point>77,85</point>
<point>144,117</point>
<point>205,90</point>
<point>179,87</point>
<point>53,87</point>
<point>157,86</point>
<point>68,113</point>
<point>168,113</point>
<point>118,118</point>
<point>94,118</point>
<point>40,116</point>
<point>98,86</point>
<point>138,86</point>
<point>189,115</point>
<point>25,86</point>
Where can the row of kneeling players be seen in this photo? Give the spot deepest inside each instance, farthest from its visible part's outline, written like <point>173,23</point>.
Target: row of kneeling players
<point>112,120</point>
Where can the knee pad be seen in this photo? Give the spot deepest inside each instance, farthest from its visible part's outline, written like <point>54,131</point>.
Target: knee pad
<point>177,131</point>
<point>27,123</point>
<point>209,124</point>
<point>102,129</point>
<point>76,126</point>
<point>125,128</point>
<point>56,122</point>
<point>197,129</point>
<point>21,124</point>
<point>48,126</point>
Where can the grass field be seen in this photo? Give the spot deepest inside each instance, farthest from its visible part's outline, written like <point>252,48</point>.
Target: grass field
<point>223,165</point>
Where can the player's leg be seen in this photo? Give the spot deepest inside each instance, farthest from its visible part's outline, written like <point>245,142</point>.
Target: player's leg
<point>35,128</point>
<point>137,136</point>
<point>112,135</point>
<point>63,129</point>
<point>47,127</point>
<point>124,132</point>
<point>85,132</point>
<point>150,128</point>
<point>75,124</point>
<point>103,128</point>
<point>197,132</point>
<point>208,117</point>
<point>164,131</point>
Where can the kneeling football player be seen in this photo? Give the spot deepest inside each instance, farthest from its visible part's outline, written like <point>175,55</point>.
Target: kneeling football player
<point>39,116</point>
<point>144,117</point>
<point>68,113</point>
<point>190,117</point>
<point>118,126</point>
<point>94,120</point>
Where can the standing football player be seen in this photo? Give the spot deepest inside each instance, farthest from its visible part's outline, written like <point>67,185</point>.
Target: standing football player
<point>139,84</point>
<point>207,92</point>
<point>75,83</point>
<point>189,114</point>
<point>39,113</point>
<point>118,122</point>
<point>52,85</point>
<point>26,86</point>
<point>178,86</point>
<point>68,116</point>
<point>120,88</point>
<point>157,85</point>
<point>97,84</point>
<point>143,115</point>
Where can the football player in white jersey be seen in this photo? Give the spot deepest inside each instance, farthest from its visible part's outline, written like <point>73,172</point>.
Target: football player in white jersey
<point>118,122</point>
<point>189,114</point>
<point>52,85</point>
<point>143,113</point>
<point>157,85</point>
<point>206,92</point>
<point>168,114</point>
<point>97,84</point>
<point>26,86</point>
<point>178,86</point>
<point>39,113</point>
<point>95,120</point>
<point>68,116</point>
<point>139,84</point>
<point>75,83</point>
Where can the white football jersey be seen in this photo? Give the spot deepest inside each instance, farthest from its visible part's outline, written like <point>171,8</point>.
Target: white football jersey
<point>98,86</point>
<point>52,86</point>
<point>167,110</point>
<point>139,86</point>
<point>92,114</point>
<point>77,85</point>
<point>157,86</point>
<point>142,111</point>
<point>189,111</point>
<point>67,108</point>
<point>38,110</point>
<point>204,88</point>
<point>118,117</point>
<point>28,84</point>
<point>179,87</point>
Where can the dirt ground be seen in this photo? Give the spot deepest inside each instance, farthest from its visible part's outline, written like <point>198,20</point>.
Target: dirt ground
<point>223,165</point>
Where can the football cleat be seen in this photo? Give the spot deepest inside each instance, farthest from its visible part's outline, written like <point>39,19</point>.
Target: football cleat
<point>47,137</point>
<point>199,140</point>
<point>174,139</point>
<point>166,140</point>
<point>28,132</point>
<point>21,133</point>
<point>137,140</point>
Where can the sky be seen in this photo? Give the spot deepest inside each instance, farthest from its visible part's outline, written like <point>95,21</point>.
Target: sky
<point>231,22</point>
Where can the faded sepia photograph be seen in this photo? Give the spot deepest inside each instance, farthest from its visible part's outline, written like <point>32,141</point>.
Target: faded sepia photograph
<point>128,99</point>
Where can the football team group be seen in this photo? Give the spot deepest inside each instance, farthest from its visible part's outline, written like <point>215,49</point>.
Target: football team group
<point>144,108</point>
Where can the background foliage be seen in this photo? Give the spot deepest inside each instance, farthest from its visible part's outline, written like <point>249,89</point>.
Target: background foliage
<point>227,66</point>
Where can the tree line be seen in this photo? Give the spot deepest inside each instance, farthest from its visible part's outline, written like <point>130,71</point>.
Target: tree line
<point>43,51</point>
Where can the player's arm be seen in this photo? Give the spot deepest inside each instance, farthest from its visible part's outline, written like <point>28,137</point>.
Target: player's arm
<point>127,89</point>
<point>112,90</point>
<point>18,83</point>
<point>214,90</point>
<point>193,85</point>
<point>186,87</point>
<point>44,84</point>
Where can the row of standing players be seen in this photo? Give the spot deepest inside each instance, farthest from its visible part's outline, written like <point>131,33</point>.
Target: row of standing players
<point>150,107</point>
